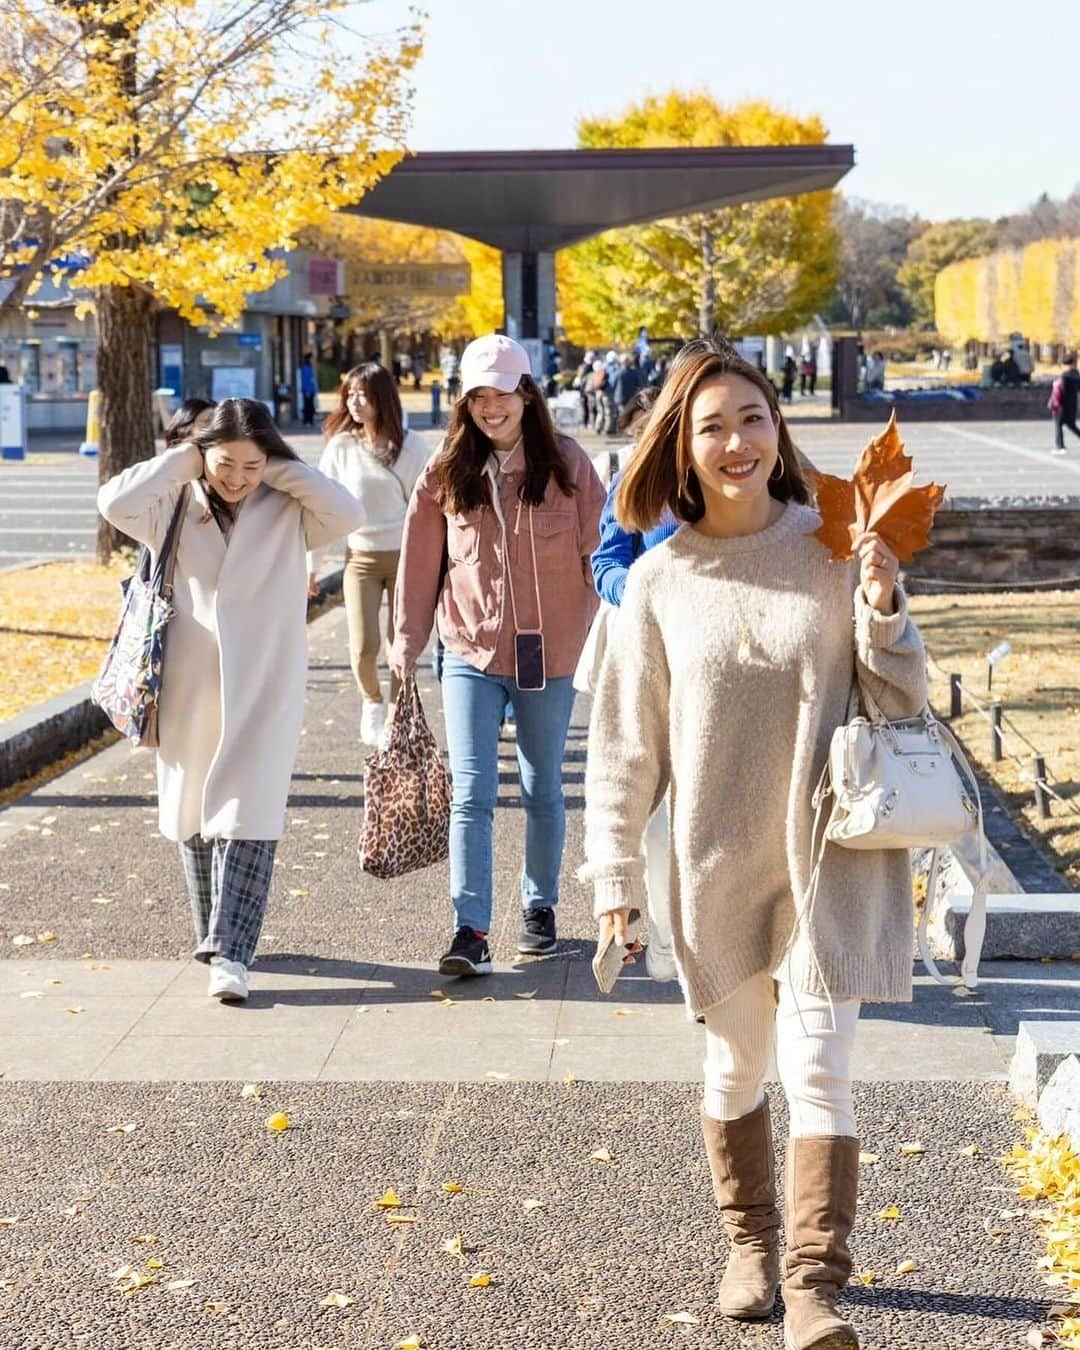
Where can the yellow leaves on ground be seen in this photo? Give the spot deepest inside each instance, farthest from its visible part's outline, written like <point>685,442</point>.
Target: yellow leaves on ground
<point>10,1221</point>
<point>600,1155</point>
<point>1047,1169</point>
<point>278,1122</point>
<point>867,1277</point>
<point>912,1150</point>
<point>412,1342</point>
<point>971,1151</point>
<point>388,1200</point>
<point>530,1205</point>
<point>481,1280</point>
<point>454,1245</point>
<point>868,1159</point>
<point>452,1187</point>
<point>681,1319</point>
<point>889,1214</point>
<point>251,1090</point>
<point>55,625</point>
<point>336,1300</point>
<point>907,1268</point>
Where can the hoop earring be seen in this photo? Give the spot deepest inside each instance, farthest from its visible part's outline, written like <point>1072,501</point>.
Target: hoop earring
<point>775,477</point>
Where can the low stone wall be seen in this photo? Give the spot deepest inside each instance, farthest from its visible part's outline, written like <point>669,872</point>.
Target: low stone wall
<point>1017,545</point>
<point>1024,404</point>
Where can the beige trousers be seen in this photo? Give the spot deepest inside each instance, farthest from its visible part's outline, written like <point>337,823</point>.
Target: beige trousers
<point>368,576</point>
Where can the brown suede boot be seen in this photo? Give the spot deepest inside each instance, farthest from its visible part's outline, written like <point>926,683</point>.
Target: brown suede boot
<point>821,1182</point>
<point>741,1161</point>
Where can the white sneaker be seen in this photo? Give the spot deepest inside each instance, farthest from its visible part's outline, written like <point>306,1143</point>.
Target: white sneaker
<point>372,722</point>
<point>1059,450</point>
<point>228,980</point>
<point>660,962</point>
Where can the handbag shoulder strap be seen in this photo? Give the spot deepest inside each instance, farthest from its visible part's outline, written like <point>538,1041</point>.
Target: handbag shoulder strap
<point>162,580</point>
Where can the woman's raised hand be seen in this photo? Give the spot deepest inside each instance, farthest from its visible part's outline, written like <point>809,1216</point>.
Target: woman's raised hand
<point>878,569</point>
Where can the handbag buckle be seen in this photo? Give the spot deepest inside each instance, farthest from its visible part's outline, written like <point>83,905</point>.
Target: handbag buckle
<point>889,803</point>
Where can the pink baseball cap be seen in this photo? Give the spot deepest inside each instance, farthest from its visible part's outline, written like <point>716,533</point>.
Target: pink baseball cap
<point>495,362</point>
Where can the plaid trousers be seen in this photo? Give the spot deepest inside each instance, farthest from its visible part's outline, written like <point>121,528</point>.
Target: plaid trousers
<point>228,882</point>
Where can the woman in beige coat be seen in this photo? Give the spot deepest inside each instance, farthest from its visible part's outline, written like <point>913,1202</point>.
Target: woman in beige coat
<point>232,699</point>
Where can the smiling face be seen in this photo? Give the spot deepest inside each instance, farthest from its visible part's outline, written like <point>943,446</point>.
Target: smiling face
<point>361,408</point>
<point>234,469</point>
<point>497,415</point>
<point>733,440</point>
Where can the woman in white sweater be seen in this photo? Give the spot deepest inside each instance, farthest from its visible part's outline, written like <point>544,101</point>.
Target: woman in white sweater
<point>379,462</point>
<point>233,681</point>
<point>729,668</point>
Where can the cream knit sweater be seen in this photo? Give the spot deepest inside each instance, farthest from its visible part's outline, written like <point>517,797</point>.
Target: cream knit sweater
<point>727,670</point>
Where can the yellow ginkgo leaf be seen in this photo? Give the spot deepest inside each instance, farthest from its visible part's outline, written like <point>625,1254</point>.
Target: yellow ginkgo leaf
<point>251,1090</point>
<point>889,1213</point>
<point>529,1205</point>
<point>600,1155</point>
<point>971,1151</point>
<point>46,937</point>
<point>388,1200</point>
<point>336,1300</point>
<point>145,1239</point>
<point>10,1220</point>
<point>216,1307</point>
<point>991,1229</point>
<point>907,1268</point>
<point>531,993</point>
<point>412,1342</point>
<point>401,1218</point>
<point>278,1122</point>
<point>681,1319</point>
<point>180,1284</point>
<point>868,1159</point>
<point>570,1079</point>
<point>454,1246</point>
<point>911,1150</point>
<point>481,1280</point>
<point>139,1279</point>
<point>452,1187</point>
<point>866,1277</point>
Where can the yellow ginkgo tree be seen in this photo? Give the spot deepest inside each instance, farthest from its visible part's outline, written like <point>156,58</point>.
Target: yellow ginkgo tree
<point>163,153</point>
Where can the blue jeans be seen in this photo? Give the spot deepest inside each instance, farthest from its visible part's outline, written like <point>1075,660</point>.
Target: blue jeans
<point>473,705</point>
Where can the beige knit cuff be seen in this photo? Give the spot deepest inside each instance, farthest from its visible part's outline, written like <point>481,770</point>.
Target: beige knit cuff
<point>612,893</point>
<point>880,630</point>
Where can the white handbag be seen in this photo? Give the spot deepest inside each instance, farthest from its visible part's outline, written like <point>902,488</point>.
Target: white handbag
<point>903,784</point>
<point>592,654</point>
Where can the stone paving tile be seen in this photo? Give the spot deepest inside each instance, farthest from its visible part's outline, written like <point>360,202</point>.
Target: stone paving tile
<point>270,1224</point>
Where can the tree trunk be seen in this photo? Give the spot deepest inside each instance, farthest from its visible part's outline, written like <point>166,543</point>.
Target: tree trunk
<point>125,380</point>
<point>707,307</point>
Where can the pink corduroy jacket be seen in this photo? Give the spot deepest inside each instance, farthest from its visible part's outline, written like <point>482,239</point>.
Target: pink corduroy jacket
<point>472,606</point>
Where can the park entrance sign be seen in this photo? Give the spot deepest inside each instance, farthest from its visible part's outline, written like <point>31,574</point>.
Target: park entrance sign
<point>530,203</point>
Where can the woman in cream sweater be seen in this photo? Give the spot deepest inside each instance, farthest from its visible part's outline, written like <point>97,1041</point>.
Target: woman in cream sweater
<point>370,452</point>
<point>232,696</point>
<point>728,670</point>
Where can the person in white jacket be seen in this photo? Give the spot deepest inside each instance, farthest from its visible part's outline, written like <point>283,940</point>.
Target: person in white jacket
<point>370,452</point>
<point>235,667</point>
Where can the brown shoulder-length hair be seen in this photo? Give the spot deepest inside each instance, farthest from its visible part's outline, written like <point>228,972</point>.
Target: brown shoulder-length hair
<point>460,482</point>
<point>379,389</point>
<point>660,476</point>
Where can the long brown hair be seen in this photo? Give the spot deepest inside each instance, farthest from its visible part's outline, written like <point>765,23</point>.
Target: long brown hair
<point>461,484</point>
<point>379,389</point>
<point>243,419</point>
<point>660,475</point>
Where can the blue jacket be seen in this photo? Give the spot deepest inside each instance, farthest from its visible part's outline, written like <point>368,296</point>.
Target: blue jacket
<point>619,547</point>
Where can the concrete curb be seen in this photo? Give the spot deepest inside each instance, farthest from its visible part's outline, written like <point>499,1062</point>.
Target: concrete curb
<point>41,735</point>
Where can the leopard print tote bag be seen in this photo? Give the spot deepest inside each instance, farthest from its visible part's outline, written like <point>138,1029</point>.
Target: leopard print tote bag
<point>406,796</point>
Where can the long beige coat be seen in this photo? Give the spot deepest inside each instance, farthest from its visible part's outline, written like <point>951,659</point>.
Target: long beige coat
<point>233,685</point>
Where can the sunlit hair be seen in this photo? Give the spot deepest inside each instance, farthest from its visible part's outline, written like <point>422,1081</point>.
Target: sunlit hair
<point>191,415</point>
<point>381,392</point>
<point>244,419</point>
<point>460,481</point>
<point>660,475</point>
<point>642,402</point>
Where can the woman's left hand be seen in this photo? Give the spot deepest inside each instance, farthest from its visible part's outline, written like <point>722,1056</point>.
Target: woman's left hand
<point>878,569</point>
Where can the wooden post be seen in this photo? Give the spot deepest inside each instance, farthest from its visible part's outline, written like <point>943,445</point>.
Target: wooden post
<point>996,753</point>
<point>956,696</point>
<point>1042,797</point>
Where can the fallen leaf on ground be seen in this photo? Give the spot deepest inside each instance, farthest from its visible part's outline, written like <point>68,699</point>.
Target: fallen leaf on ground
<point>481,1280</point>
<point>216,1307</point>
<point>22,940</point>
<point>991,1229</point>
<point>866,1277</point>
<point>180,1284</point>
<point>530,993</point>
<point>139,1279</point>
<point>454,1245</point>
<point>336,1300</point>
<point>911,1150</point>
<point>600,1155</point>
<point>155,1263</point>
<point>452,1187</point>
<point>888,1214</point>
<point>388,1200</point>
<point>867,1159</point>
<point>529,1205</point>
<point>251,1090</point>
<point>31,993</point>
<point>488,999</point>
<point>46,937</point>
<point>145,1239</point>
<point>122,1129</point>
<point>401,1218</point>
<point>74,1010</point>
<point>570,1079</point>
<point>681,1319</point>
<point>412,1342</point>
<point>971,1151</point>
<point>907,1268</point>
<point>10,1220</point>
<point>278,1122</point>
<point>494,1073</point>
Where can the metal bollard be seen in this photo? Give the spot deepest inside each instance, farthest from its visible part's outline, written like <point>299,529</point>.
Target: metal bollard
<point>956,696</point>
<point>996,751</point>
<point>436,398</point>
<point>1042,797</point>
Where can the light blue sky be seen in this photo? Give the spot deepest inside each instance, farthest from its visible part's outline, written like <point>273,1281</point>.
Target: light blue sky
<point>959,107</point>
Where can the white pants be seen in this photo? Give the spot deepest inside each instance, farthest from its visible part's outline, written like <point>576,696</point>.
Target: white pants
<point>813,1046</point>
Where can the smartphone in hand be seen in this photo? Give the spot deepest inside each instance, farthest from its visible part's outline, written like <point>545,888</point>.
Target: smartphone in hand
<point>608,962</point>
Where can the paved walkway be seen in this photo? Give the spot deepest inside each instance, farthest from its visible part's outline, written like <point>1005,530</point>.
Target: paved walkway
<point>505,1087</point>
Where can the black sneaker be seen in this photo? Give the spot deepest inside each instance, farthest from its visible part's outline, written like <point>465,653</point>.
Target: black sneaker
<point>537,932</point>
<point>468,955</point>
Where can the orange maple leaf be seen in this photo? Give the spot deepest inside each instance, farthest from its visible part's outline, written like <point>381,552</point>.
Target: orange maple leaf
<point>879,496</point>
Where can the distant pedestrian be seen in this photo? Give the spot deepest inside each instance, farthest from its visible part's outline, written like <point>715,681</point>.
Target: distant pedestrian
<point>1064,399</point>
<point>191,416</point>
<point>233,686</point>
<point>515,506</point>
<point>449,365</point>
<point>5,377</point>
<point>369,451</point>
<point>788,385</point>
<point>627,383</point>
<point>309,389</point>
<point>419,366</point>
<point>605,404</point>
<point>739,641</point>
